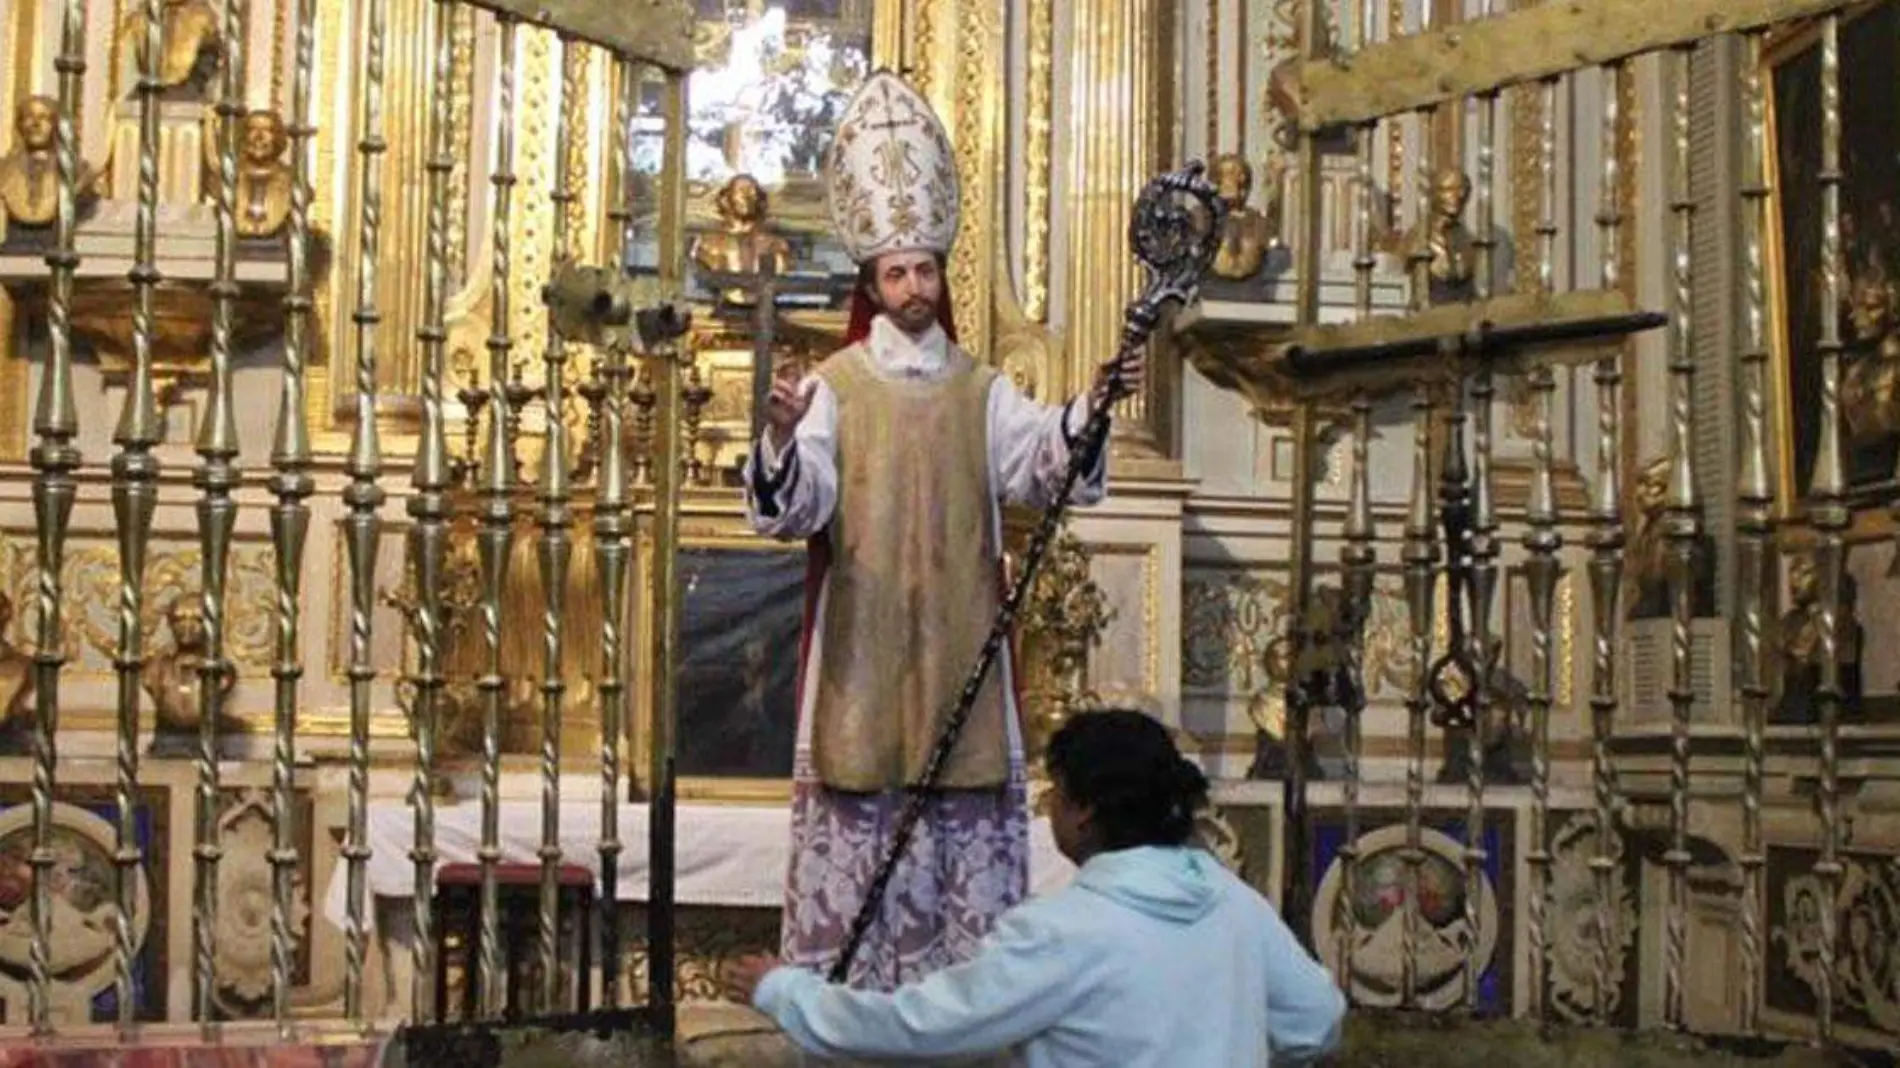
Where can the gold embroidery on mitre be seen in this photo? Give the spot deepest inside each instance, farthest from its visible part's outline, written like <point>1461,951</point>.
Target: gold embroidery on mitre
<point>891,176</point>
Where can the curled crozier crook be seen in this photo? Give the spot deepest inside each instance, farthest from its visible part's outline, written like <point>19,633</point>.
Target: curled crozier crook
<point>1174,232</point>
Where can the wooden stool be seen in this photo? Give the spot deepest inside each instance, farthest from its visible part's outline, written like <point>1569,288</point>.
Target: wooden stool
<point>458,909</point>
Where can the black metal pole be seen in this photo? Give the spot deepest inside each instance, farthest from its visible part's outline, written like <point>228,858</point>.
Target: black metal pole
<point>660,901</point>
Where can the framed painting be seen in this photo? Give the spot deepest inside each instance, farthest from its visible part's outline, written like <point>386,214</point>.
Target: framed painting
<point>1869,309</point>
<point>741,617</point>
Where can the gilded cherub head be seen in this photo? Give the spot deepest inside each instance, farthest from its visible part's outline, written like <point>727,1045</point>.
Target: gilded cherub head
<point>1233,178</point>
<point>1451,191</point>
<point>1870,308</point>
<point>742,201</point>
<point>34,121</point>
<point>265,137</point>
<point>1804,586</point>
<point>187,619</point>
<point>1652,487</point>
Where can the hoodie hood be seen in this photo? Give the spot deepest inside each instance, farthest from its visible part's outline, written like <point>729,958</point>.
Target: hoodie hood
<point>1176,884</point>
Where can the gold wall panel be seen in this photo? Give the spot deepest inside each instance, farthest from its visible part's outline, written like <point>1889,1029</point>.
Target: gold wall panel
<point>533,213</point>
<point>408,88</point>
<point>1116,143</point>
<point>90,580</point>
<point>978,79</point>
<point>1140,591</point>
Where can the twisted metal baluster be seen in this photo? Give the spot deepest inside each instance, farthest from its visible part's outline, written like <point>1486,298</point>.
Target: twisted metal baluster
<point>1296,891</point>
<point>1484,549</point>
<point>1831,517</point>
<point>364,499</point>
<point>555,546</point>
<point>613,529</point>
<point>1542,542</point>
<point>496,538</point>
<point>1421,579</point>
<point>54,458</point>
<point>217,475</point>
<point>1754,524</point>
<point>134,498</point>
<point>1359,559</point>
<point>1683,529</point>
<point>1421,564</point>
<point>1359,556</point>
<point>290,517</point>
<point>1606,562</point>
<point>428,506</point>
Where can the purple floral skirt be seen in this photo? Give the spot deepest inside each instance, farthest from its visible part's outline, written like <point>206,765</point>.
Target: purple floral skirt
<point>966,866</point>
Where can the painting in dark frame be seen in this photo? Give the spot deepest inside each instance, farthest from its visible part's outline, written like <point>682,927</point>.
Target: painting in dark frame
<point>741,619</point>
<point>1870,161</point>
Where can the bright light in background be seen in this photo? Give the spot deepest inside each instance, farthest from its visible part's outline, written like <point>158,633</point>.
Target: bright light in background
<point>766,107</point>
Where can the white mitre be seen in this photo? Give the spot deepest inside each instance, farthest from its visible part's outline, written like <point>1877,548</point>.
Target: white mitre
<point>891,177</point>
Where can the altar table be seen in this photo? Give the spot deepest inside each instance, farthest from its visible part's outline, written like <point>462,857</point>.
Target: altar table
<point>724,855</point>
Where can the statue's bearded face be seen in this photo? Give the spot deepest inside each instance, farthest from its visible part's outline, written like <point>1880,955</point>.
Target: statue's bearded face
<point>908,287</point>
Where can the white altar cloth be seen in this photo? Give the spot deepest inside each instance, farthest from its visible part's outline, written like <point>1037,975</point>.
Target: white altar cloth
<point>724,855</point>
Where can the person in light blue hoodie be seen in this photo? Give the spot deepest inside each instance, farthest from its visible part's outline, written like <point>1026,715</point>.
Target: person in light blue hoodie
<point>1155,955</point>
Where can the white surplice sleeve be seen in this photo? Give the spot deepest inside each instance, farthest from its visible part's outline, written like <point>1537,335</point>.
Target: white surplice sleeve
<point>792,495</point>
<point>1030,445</point>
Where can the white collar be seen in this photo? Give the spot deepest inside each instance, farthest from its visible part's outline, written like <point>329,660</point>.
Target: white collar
<point>899,355</point>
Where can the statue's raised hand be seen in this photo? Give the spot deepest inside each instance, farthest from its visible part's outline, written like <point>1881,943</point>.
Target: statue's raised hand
<point>786,406</point>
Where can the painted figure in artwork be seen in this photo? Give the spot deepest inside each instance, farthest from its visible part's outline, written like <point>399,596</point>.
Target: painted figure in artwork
<point>894,459</point>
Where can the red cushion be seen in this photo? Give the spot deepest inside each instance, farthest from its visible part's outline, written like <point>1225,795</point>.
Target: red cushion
<point>567,875</point>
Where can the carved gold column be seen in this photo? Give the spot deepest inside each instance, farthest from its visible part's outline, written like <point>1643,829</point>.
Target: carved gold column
<point>1117,137</point>
<point>407,92</point>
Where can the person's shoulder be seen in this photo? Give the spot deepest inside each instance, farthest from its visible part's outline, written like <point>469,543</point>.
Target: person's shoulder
<point>1068,913</point>
<point>1238,893</point>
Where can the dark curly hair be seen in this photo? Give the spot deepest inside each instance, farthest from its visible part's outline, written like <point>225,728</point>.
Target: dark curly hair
<point>1124,767</point>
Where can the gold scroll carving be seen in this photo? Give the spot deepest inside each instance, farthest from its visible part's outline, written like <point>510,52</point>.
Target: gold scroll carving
<point>91,583</point>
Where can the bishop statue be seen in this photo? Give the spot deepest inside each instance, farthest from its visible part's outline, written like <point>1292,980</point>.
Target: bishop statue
<point>893,460</point>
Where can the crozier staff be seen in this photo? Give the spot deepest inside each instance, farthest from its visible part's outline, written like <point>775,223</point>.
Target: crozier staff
<point>894,459</point>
